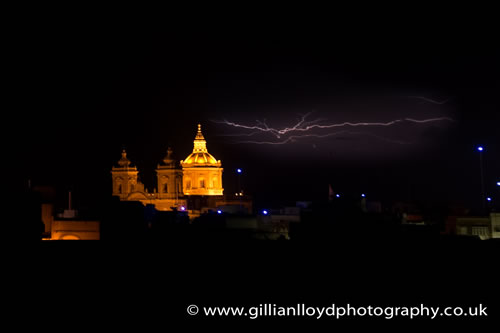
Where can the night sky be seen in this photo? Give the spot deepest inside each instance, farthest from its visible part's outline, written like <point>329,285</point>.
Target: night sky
<point>88,92</point>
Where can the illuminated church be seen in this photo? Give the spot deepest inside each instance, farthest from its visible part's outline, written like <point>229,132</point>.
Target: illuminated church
<point>192,184</point>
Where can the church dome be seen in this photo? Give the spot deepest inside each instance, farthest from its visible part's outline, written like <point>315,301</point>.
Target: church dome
<point>200,158</point>
<point>200,155</point>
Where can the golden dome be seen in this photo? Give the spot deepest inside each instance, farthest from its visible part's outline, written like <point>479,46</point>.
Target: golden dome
<point>200,158</point>
<point>200,155</point>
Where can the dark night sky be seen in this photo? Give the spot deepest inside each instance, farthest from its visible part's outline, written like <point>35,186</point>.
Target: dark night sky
<point>93,90</point>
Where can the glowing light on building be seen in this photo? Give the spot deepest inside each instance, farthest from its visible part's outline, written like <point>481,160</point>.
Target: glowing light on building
<point>265,212</point>
<point>201,172</point>
<point>219,211</point>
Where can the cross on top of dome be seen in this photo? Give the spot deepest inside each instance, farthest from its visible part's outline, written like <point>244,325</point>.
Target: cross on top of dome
<point>199,135</point>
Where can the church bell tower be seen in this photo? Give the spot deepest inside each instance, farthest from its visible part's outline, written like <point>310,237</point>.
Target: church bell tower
<point>169,177</point>
<point>124,177</point>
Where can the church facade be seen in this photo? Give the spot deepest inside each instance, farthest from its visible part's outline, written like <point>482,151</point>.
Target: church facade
<point>199,175</point>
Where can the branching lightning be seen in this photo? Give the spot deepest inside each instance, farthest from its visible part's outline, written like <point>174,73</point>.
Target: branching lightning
<point>303,129</point>
<point>295,138</point>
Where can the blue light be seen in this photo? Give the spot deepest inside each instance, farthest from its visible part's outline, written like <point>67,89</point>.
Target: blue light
<point>183,208</point>
<point>238,170</point>
<point>337,195</point>
<point>219,211</point>
<point>498,183</point>
<point>480,148</point>
<point>363,195</point>
<point>488,198</point>
<point>265,212</point>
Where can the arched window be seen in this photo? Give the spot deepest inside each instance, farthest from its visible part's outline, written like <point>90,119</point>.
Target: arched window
<point>120,189</point>
<point>214,182</point>
<point>132,188</point>
<point>163,184</point>
<point>202,183</point>
<point>188,184</point>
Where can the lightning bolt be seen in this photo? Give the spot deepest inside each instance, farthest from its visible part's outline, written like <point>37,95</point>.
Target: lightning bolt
<point>263,127</point>
<point>295,138</point>
<point>292,133</point>
<point>389,123</point>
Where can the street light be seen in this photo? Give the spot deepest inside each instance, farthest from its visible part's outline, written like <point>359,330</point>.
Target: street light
<point>498,183</point>
<point>488,198</point>
<point>480,149</point>
<point>239,172</point>
<point>363,195</point>
<point>265,212</point>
